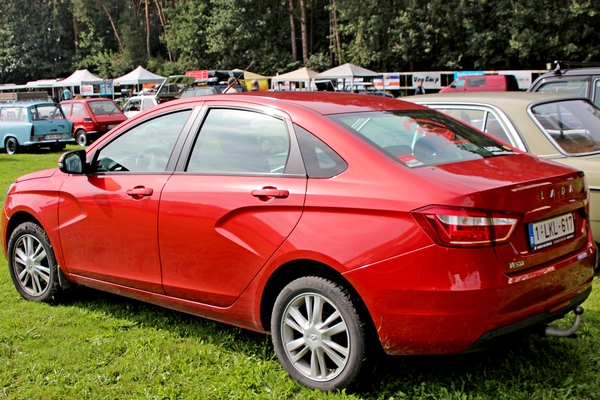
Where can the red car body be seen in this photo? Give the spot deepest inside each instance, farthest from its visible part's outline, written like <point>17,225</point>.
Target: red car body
<point>224,245</point>
<point>92,118</point>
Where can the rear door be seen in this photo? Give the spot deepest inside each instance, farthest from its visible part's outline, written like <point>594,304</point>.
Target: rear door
<point>238,196</point>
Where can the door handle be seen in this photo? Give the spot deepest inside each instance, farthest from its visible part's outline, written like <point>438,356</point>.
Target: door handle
<point>139,192</point>
<point>269,192</point>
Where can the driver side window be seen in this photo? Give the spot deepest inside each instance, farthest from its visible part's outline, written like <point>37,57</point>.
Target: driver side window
<point>145,148</point>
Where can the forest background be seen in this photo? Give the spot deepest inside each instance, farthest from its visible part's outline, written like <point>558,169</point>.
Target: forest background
<point>46,39</point>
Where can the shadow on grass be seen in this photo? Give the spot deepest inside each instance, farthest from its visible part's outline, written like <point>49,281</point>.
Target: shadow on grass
<point>520,366</point>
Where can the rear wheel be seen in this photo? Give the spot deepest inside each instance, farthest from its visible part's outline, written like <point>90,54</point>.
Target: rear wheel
<point>318,334</point>
<point>81,137</point>
<point>11,145</point>
<point>32,263</point>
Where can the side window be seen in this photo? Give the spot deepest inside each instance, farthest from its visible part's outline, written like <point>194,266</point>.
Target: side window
<point>147,103</point>
<point>240,142</point>
<point>573,87</point>
<point>494,128</point>
<point>133,105</point>
<point>475,118</point>
<point>67,108</point>
<point>145,148</point>
<point>460,83</point>
<point>320,160</point>
<point>597,93</point>
<point>477,82</point>
<point>78,110</point>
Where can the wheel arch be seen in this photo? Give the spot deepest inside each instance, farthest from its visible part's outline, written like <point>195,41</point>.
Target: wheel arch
<point>295,269</point>
<point>17,219</point>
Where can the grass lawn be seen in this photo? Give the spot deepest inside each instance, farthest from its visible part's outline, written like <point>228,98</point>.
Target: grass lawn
<point>93,345</point>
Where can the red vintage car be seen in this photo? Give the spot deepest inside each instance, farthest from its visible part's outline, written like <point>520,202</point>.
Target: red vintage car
<point>92,118</point>
<point>338,223</point>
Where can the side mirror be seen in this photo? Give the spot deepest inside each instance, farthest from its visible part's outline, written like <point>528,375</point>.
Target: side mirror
<point>73,162</point>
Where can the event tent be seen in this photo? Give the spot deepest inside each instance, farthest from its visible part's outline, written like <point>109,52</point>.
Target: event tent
<point>300,75</point>
<point>347,72</point>
<point>78,78</point>
<point>138,76</point>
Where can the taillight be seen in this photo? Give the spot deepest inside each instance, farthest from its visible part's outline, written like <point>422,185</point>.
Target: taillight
<point>32,133</point>
<point>466,227</point>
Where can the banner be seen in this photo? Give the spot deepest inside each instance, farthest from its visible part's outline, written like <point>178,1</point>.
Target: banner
<point>431,80</point>
<point>86,90</point>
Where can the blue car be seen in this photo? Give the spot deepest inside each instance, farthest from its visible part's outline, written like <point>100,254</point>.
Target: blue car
<point>33,124</point>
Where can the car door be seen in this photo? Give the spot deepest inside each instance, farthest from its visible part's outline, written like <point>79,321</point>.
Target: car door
<point>49,122</point>
<point>108,217</point>
<point>239,195</point>
<point>132,107</point>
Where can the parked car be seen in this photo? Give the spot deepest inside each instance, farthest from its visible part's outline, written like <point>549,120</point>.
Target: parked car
<point>170,89</point>
<point>563,128</point>
<point>339,223</point>
<point>91,118</point>
<point>483,83</point>
<point>208,89</point>
<point>33,124</point>
<point>584,82</point>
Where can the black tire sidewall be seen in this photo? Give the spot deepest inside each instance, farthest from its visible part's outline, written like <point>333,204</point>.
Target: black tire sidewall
<point>15,145</point>
<point>30,228</point>
<point>79,133</point>
<point>342,299</point>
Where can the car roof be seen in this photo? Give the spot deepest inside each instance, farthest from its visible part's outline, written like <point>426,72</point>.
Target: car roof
<point>85,100</point>
<point>502,100</point>
<point>28,103</point>
<point>320,102</point>
<point>574,71</point>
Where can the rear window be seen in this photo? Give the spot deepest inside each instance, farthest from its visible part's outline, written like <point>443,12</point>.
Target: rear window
<point>103,107</point>
<point>573,125</point>
<point>421,137</point>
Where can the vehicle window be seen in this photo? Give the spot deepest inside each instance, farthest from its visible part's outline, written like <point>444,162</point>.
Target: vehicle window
<point>78,110</point>
<point>477,82</point>
<point>319,159</point>
<point>573,87</point>
<point>133,105</point>
<point>597,93</point>
<point>573,125</point>
<point>459,83</point>
<point>147,103</point>
<point>103,107</point>
<point>10,114</point>
<point>145,148</point>
<point>421,137</point>
<point>66,108</point>
<point>49,112</point>
<point>198,91</point>
<point>474,118</point>
<point>494,128</point>
<point>237,141</point>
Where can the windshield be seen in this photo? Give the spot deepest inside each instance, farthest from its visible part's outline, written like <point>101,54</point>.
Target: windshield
<point>574,125</point>
<point>421,137</point>
<point>103,107</point>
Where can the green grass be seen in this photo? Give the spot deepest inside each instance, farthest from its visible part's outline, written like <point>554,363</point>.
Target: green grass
<point>93,345</point>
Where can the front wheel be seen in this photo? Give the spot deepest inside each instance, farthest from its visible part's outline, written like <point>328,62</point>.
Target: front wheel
<point>32,263</point>
<point>11,145</point>
<point>81,137</point>
<point>318,334</point>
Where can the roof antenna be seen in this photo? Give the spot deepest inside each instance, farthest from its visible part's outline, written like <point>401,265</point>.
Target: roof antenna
<point>237,78</point>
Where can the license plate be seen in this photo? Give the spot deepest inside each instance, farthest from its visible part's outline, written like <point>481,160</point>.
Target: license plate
<point>551,231</point>
<point>52,137</point>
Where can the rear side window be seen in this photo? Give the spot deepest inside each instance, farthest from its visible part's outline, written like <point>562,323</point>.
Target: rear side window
<point>10,114</point>
<point>421,137</point>
<point>66,108</point>
<point>319,159</point>
<point>78,110</point>
<point>573,125</point>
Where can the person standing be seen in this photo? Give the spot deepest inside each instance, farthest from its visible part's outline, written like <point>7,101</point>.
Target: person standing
<point>420,89</point>
<point>231,84</point>
<point>254,86</point>
<point>66,94</point>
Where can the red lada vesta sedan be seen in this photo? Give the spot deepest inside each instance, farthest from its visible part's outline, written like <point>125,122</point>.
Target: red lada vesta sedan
<point>338,223</point>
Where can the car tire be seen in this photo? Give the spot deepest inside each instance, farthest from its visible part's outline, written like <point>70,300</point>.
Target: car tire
<point>11,145</point>
<point>81,137</point>
<point>306,347</point>
<point>32,263</point>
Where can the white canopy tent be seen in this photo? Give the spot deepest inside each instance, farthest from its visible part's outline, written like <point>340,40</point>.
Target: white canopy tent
<point>304,75</point>
<point>347,72</point>
<point>138,76</point>
<point>79,78</point>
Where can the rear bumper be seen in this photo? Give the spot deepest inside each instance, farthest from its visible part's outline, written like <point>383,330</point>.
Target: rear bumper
<point>445,301</point>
